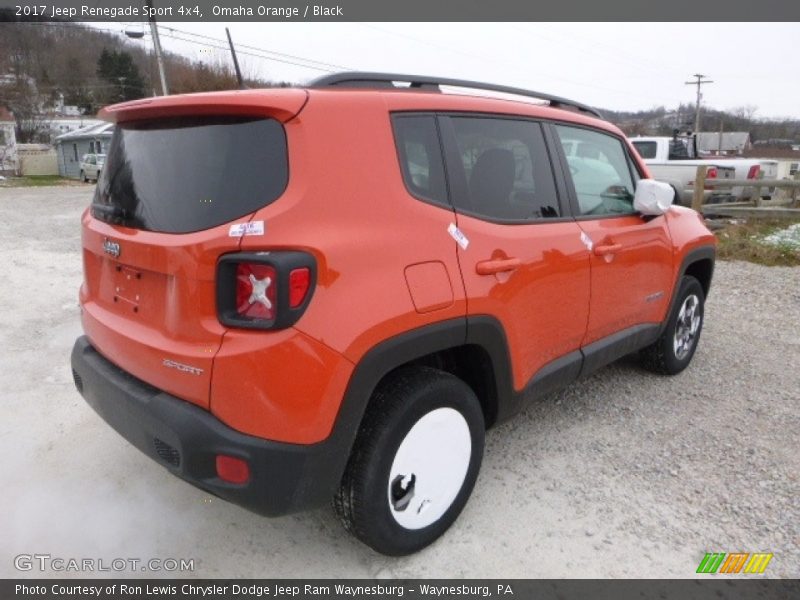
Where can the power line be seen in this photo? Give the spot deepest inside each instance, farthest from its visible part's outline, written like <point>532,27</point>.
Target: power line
<point>172,35</point>
<point>255,51</point>
<point>515,65</point>
<point>262,50</point>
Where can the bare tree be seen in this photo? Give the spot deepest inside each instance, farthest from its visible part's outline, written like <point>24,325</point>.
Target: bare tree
<point>23,99</point>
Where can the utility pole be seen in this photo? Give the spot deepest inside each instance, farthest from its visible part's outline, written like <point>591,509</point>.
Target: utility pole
<point>157,47</point>
<point>700,81</point>
<point>235,61</point>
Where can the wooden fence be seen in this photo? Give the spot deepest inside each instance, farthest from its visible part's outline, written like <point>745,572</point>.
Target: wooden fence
<point>785,202</point>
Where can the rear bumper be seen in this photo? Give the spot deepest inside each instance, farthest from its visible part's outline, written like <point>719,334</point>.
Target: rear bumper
<point>185,439</point>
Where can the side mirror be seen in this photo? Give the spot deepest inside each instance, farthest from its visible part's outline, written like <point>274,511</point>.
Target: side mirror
<point>653,197</point>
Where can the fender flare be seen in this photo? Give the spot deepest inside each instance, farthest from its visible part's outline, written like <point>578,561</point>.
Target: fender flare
<point>691,257</point>
<point>390,354</point>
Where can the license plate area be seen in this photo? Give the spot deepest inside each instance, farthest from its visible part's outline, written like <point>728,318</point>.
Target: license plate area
<point>127,288</point>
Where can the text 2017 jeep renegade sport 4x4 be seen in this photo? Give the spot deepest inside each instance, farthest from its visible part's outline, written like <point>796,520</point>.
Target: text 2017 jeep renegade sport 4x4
<point>293,295</point>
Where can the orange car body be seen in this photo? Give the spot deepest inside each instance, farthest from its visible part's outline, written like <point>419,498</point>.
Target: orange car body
<point>385,266</point>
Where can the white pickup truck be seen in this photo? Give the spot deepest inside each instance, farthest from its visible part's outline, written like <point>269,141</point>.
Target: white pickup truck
<point>751,168</point>
<point>674,160</point>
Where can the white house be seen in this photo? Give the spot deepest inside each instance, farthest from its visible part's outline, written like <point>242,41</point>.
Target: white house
<point>8,142</point>
<point>61,125</point>
<point>732,143</point>
<point>71,146</point>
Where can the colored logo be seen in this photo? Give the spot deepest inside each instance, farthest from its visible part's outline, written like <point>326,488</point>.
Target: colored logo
<point>737,562</point>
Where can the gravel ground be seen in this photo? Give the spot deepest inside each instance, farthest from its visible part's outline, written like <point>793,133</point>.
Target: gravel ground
<point>623,474</point>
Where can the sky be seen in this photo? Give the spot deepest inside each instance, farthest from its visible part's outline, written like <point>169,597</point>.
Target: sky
<point>617,66</point>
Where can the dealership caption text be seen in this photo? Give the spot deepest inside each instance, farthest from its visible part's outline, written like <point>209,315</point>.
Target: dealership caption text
<point>250,590</point>
<point>202,590</point>
<point>114,12</point>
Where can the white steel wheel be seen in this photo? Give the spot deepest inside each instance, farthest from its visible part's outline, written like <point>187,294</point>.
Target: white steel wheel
<point>429,468</point>
<point>414,462</point>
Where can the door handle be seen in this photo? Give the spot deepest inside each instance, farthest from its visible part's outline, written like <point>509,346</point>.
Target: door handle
<point>605,249</point>
<point>490,267</point>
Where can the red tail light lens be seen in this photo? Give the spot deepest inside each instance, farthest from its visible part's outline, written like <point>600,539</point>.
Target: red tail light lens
<point>256,291</point>
<point>753,172</point>
<point>232,469</point>
<point>264,290</point>
<point>299,282</point>
<point>711,173</point>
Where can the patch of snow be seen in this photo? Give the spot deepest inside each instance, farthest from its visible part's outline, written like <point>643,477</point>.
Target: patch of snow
<point>785,237</point>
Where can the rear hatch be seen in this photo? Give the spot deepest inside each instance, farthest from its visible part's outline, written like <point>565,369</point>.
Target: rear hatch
<point>182,174</point>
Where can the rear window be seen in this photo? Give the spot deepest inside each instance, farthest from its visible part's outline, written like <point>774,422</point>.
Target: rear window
<point>184,175</point>
<point>421,157</point>
<point>645,149</point>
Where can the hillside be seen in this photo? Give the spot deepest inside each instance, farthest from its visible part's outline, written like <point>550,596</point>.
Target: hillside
<point>40,61</point>
<point>661,121</point>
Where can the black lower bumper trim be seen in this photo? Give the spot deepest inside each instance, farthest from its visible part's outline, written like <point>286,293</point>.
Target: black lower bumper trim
<point>186,439</point>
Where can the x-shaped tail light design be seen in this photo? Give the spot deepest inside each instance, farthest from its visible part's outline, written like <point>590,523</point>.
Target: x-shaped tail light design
<point>259,293</point>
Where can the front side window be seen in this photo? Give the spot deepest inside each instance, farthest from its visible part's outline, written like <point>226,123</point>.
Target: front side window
<point>421,157</point>
<point>600,171</point>
<point>506,168</point>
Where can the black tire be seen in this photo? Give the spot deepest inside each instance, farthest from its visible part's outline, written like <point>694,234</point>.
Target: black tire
<point>661,356</point>
<point>364,502</point>
<point>84,179</point>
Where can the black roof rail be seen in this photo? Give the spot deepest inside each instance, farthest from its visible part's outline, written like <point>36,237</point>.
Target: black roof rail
<point>387,80</point>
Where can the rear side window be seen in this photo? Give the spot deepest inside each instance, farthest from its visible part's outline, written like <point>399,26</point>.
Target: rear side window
<point>184,175</point>
<point>421,157</point>
<point>600,171</point>
<point>506,168</point>
<point>645,149</point>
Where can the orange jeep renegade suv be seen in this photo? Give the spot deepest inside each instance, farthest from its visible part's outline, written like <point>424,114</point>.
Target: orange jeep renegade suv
<point>293,295</point>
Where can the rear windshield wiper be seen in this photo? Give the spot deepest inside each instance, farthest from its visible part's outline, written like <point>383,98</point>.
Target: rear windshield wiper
<point>109,211</point>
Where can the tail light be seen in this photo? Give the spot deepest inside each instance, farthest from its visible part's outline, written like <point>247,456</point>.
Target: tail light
<point>264,290</point>
<point>711,173</point>
<point>753,172</point>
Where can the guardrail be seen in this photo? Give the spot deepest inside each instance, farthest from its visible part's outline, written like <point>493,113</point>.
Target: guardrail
<point>785,206</point>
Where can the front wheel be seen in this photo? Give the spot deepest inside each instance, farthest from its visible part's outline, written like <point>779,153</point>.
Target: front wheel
<point>673,351</point>
<point>84,179</point>
<point>415,461</point>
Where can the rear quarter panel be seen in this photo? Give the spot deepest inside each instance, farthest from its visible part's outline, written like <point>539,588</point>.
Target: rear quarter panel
<point>346,204</point>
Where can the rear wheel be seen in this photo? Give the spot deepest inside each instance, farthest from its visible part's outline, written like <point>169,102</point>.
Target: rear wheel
<point>414,463</point>
<point>673,351</point>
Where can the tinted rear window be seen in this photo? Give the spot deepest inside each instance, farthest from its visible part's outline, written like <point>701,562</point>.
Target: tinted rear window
<point>421,157</point>
<point>184,175</point>
<point>645,149</point>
